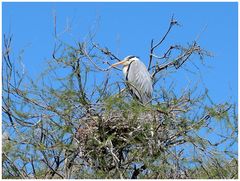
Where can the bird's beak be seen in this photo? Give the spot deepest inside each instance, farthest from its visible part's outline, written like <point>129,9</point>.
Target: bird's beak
<point>118,63</point>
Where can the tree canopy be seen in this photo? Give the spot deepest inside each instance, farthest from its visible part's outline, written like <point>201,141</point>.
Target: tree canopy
<point>77,120</point>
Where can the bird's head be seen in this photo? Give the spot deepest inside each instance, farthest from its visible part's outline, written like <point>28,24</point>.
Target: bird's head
<point>126,61</point>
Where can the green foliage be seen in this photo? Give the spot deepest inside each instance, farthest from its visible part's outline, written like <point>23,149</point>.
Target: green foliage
<point>75,126</point>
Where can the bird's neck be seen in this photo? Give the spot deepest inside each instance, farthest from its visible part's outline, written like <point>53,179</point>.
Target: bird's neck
<point>125,70</point>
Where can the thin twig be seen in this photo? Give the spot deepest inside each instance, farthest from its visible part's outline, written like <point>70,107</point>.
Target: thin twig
<point>172,23</point>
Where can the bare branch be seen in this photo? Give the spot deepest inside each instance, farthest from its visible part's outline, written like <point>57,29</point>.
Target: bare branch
<point>172,23</point>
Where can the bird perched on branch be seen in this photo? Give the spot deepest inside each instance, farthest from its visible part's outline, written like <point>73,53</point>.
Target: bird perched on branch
<point>138,79</point>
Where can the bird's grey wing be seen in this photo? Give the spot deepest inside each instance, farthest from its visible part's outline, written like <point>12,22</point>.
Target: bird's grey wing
<point>140,81</point>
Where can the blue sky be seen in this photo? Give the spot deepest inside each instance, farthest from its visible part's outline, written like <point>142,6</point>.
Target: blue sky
<point>127,29</point>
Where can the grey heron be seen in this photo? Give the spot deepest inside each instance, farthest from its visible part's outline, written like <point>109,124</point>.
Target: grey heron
<point>138,79</point>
